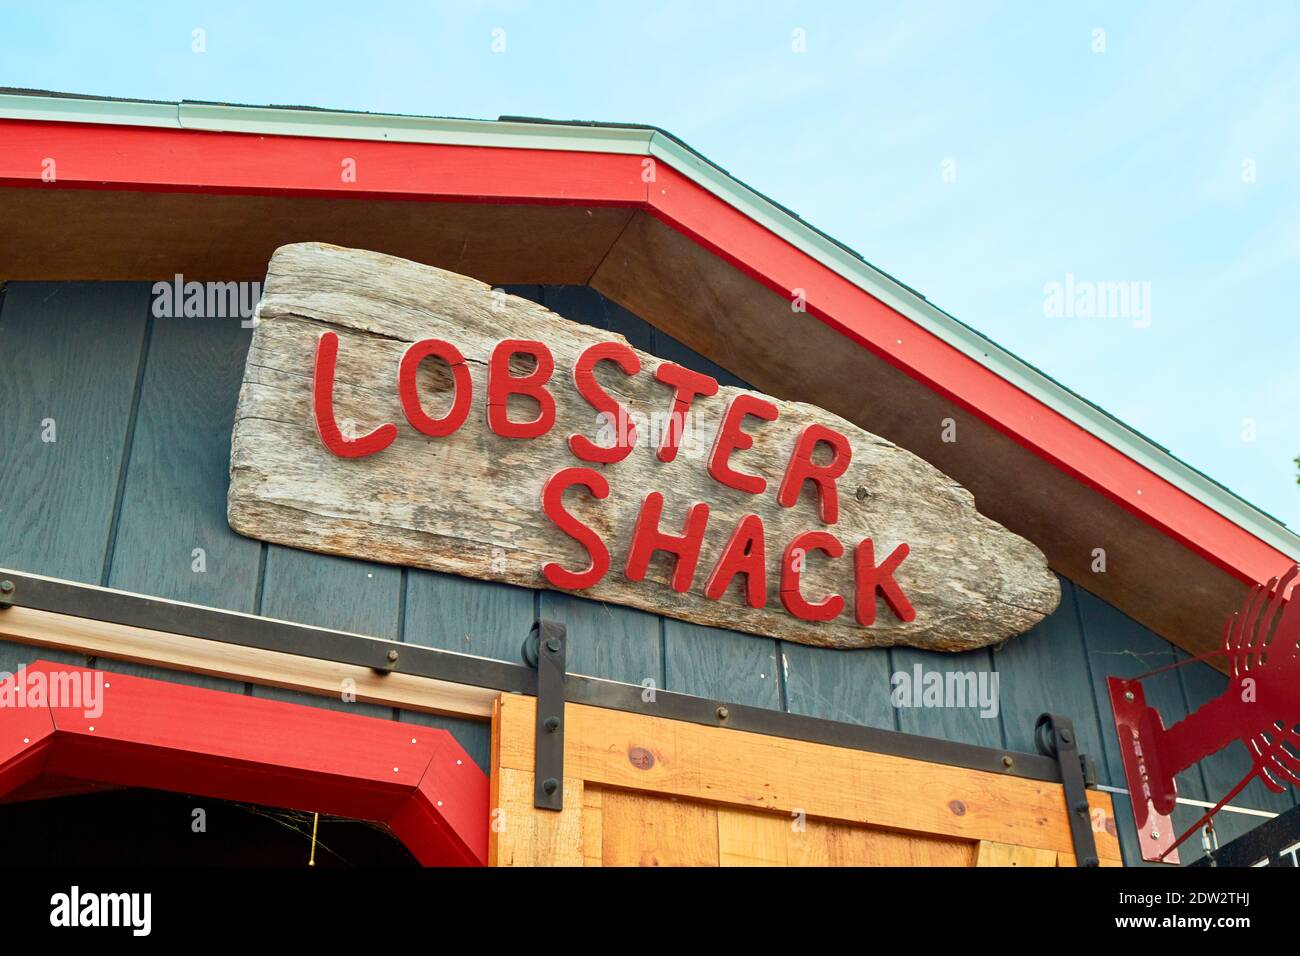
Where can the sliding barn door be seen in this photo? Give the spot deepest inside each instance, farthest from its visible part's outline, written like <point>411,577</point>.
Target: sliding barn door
<point>647,791</point>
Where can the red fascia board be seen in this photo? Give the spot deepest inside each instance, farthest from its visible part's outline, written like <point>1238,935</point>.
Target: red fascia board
<point>146,158</point>
<point>855,313</point>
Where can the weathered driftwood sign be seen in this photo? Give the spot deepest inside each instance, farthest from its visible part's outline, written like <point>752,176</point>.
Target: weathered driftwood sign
<point>399,413</point>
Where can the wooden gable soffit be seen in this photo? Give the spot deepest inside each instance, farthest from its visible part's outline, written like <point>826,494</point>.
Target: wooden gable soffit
<point>1039,459</point>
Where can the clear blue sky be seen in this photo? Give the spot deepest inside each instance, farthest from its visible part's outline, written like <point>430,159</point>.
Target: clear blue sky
<point>1172,158</point>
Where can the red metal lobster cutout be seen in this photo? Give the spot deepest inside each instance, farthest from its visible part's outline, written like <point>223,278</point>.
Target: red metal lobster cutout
<point>1260,708</point>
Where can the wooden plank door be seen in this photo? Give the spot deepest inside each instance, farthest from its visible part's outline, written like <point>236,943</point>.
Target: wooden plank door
<point>648,791</point>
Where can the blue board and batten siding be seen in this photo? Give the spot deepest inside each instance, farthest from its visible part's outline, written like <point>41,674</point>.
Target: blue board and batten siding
<point>135,483</point>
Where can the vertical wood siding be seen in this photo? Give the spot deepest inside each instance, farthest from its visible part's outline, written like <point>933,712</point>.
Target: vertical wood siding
<point>137,479</point>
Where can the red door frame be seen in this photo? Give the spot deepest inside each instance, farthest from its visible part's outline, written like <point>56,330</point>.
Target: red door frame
<point>153,733</point>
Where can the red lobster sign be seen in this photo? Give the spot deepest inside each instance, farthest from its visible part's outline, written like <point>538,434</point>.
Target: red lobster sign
<point>1260,708</point>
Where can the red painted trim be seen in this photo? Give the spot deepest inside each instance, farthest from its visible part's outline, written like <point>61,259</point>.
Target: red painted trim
<point>126,157</point>
<point>766,257</point>
<point>172,160</point>
<point>24,745</point>
<point>174,737</point>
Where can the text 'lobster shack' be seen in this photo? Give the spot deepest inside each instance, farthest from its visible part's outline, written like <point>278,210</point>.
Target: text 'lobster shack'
<point>562,501</point>
<point>745,552</point>
<point>503,441</point>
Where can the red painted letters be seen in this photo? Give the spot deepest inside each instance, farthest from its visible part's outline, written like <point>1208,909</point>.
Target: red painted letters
<point>553,507</point>
<point>792,565</point>
<point>802,469</point>
<point>647,539</point>
<point>501,385</point>
<point>407,391</point>
<point>870,578</point>
<point>744,554</point>
<point>745,550</point>
<point>731,437</point>
<point>584,377</point>
<point>327,352</point>
<point>686,386</point>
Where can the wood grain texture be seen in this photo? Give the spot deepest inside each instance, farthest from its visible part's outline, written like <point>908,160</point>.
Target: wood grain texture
<point>172,502</point>
<point>970,723</point>
<point>593,828</point>
<point>637,828</point>
<point>69,356</point>
<point>666,277</point>
<point>755,772</point>
<point>123,234</point>
<point>973,582</point>
<point>605,640</point>
<point>67,639</point>
<point>643,829</point>
<point>753,838</point>
<point>522,835</point>
<point>1006,854</point>
<point>834,844</point>
<point>1044,672</point>
<point>518,833</point>
<point>721,664</point>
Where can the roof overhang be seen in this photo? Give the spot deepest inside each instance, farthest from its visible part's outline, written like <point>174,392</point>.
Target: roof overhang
<point>148,190</point>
